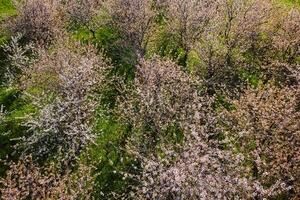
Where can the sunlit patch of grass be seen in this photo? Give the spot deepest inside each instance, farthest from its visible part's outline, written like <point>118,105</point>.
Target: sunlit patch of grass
<point>7,9</point>
<point>290,3</point>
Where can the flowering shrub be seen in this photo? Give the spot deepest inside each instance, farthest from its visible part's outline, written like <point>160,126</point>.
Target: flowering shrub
<point>265,128</point>
<point>26,180</point>
<point>219,121</point>
<point>64,125</point>
<point>61,129</point>
<point>233,42</point>
<point>198,167</point>
<point>165,96</point>
<point>189,19</point>
<point>36,20</point>
<point>218,40</point>
<point>200,172</point>
<point>134,18</point>
<point>287,38</point>
<point>18,59</point>
<point>81,12</point>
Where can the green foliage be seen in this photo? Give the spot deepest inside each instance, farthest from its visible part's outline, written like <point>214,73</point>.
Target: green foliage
<point>4,36</point>
<point>221,102</point>
<point>110,158</point>
<point>290,2</point>
<point>6,9</point>
<point>167,45</point>
<point>193,61</point>
<point>252,76</point>
<point>109,40</point>
<point>174,134</point>
<point>108,153</point>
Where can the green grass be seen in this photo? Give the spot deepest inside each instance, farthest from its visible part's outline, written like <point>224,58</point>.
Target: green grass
<point>7,9</point>
<point>109,157</point>
<point>290,2</point>
<point>297,2</point>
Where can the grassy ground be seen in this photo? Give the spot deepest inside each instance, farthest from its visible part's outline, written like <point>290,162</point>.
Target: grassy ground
<point>6,9</point>
<point>290,2</point>
<point>297,2</point>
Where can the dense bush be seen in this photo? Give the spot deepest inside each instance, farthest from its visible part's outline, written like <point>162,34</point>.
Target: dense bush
<point>134,19</point>
<point>36,20</point>
<point>64,125</point>
<point>265,128</point>
<point>198,167</point>
<point>26,180</point>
